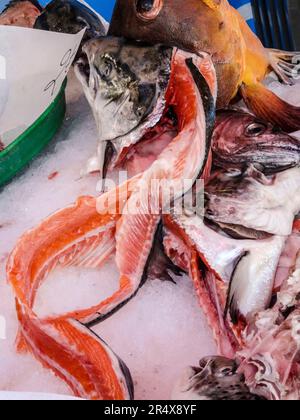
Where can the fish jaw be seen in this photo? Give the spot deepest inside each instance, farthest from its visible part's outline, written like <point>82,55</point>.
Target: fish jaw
<point>267,205</point>
<point>210,291</point>
<point>229,260</point>
<point>253,279</point>
<point>241,139</point>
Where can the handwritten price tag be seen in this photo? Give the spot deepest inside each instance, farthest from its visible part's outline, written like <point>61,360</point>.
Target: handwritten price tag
<point>33,67</point>
<point>64,67</point>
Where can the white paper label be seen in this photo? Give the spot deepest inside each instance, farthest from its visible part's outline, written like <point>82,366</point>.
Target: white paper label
<point>33,67</point>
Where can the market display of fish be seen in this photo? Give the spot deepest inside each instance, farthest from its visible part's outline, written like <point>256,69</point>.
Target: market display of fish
<point>241,260</point>
<point>22,13</point>
<point>155,112</point>
<point>217,28</point>
<point>123,222</point>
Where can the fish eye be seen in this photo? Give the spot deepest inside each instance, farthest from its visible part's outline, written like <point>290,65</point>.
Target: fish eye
<point>255,129</point>
<point>148,9</point>
<point>143,6</point>
<point>226,371</point>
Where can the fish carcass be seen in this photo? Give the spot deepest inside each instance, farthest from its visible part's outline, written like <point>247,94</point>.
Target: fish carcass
<point>241,251</point>
<point>217,28</point>
<point>267,364</point>
<point>123,221</point>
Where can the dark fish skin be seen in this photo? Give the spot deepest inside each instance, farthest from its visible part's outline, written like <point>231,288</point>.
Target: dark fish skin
<point>160,267</point>
<point>218,379</point>
<point>70,17</point>
<point>13,3</point>
<point>240,139</point>
<point>124,369</point>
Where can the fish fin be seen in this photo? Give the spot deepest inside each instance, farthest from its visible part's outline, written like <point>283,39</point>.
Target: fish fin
<point>212,4</point>
<point>268,106</point>
<point>232,304</point>
<point>21,343</point>
<point>99,162</point>
<point>286,65</point>
<point>160,265</point>
<point>210,306</point>
<point>92,166</point>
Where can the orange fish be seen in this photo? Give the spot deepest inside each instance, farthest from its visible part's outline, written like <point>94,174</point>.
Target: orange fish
<point>123,222</point>
<point>215,27</point>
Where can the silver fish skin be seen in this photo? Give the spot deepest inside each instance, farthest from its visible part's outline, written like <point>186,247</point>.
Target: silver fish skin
<point>247,266</point>
<point>125,84</point>
<point>267,204</point>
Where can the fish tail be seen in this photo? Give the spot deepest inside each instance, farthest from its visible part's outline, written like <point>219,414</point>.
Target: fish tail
<point>268,106</point>
<point>286,65</point>
<point>76,355</point>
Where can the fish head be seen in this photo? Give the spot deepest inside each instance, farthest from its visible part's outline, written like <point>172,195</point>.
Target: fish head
<point>21,13</point>
<point>122,82</point>
<point>216,378</point>
<point>70,17</point>
<point>194,26</point>
<point>241,139</point>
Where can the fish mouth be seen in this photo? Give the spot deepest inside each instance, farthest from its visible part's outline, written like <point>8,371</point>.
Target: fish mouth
<point>281,155</point>
<point>240,139</point>
<point>83,69</point>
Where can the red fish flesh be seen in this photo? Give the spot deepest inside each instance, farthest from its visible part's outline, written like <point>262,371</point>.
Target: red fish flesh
<point>90,231</point>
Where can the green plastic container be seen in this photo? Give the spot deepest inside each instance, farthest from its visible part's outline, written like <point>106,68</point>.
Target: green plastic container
<point>27,146</point>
